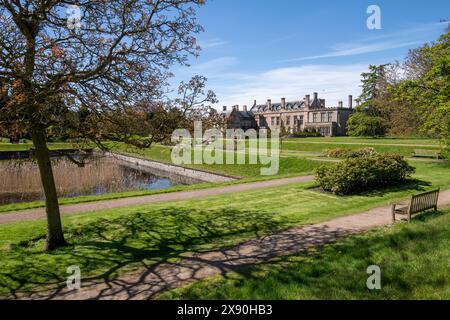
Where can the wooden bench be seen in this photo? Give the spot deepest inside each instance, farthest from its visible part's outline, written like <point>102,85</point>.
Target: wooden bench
<point>427,153</point>
<point>417,203</point>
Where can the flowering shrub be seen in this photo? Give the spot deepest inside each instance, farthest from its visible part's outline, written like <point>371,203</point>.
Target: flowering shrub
<point>350,153</point>
<point>364,173</point>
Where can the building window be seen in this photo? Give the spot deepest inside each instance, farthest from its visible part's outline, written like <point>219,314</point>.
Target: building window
<point>314,117</point>
<point>322,117</point>
<point>295,120</point>
<point>288,120</point>
<point>330,116</point>
<point>272,121</point>
<point>301,120</point>
<point>278,121</point>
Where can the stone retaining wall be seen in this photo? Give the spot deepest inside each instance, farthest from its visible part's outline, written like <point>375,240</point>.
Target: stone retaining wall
<point>172,172</point>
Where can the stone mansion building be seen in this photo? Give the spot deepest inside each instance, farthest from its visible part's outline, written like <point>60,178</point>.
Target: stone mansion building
<point>304,115</point>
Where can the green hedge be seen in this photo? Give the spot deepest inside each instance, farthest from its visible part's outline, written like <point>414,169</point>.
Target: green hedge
<point>364,173</point>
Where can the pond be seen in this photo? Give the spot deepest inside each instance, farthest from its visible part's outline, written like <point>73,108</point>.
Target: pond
<point>20,179</point>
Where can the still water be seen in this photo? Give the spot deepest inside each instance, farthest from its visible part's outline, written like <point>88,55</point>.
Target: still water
<point>20,180</point>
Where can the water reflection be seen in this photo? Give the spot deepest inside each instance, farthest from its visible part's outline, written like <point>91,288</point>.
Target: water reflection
<point>20,180</point>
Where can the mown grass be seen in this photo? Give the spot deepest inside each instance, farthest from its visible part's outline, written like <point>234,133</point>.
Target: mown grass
<point>367,140</point>
<point>288,165</point>
<point>27,146</point>
<point>109,242</point>
<point>321,147</point>
<point>293,162</point>
<point>413,259</point>
<point>108,196</point>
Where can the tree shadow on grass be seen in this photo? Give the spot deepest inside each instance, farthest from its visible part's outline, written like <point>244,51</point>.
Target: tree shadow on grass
<point>153,247</point>
<point>413,185</point>
<point>106,248</point>
<point>338,271</point>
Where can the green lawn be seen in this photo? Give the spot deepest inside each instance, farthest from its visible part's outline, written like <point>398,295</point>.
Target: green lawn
<point>405,150</point>
<point>110,242</point>
<point>362,140</point>
<point>413,258</point>
<point>27,146</point>
<point>288,166</point>
<point>293,162</point>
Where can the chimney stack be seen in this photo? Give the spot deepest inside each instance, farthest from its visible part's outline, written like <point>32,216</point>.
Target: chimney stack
<point>283,103</point>
<point>307,100</point>
<point>254,102</point>
<point>316,95</point>
<point>340,104</point>
<point>269,104</point>
<point>224,108</point>
<point>350,101</point>
<point>244,108</point>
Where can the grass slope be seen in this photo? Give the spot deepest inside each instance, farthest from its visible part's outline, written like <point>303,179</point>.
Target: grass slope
<point>413,259</point>
<point>110,242</point>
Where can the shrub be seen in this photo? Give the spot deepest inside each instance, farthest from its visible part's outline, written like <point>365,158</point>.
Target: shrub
<point>305,134</point>
<point>445,154</point>
<point>360,125</point>
<point>363,173</point>
<point>350,153</point>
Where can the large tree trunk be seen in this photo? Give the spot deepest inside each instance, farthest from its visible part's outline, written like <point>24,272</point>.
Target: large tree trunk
<point>55,236</point>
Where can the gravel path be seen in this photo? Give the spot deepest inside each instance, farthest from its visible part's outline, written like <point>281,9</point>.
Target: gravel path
<point>147,283</point>
<point>39,213</point>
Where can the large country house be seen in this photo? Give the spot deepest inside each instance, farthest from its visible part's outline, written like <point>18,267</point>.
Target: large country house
<point>295,116</point>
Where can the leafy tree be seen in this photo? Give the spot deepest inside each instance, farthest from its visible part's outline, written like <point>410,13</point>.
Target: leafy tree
<point>368,119</point>
<point>85,77</point>
<point>427,88</point>
<point>361,124</point>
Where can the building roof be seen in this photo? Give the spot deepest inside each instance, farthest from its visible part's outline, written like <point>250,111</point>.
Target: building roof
<point>294,105</point>
<point>245,115</point>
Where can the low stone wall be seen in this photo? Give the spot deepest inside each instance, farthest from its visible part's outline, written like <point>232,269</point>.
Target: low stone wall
<point>172,172</point>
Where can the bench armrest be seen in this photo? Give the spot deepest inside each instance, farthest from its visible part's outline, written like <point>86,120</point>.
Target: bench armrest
<point>404,203</point>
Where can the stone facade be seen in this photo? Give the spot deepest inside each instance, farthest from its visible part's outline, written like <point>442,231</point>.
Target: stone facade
<point>236,119</point>
<point>304,115</point>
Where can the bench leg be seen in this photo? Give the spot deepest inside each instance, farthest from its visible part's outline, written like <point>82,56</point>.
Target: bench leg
<point>393,213</point>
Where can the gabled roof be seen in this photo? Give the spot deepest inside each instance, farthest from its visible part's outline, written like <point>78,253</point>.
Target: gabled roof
<point>317,104</point>
<point>294,105</point>
<point>247,115</point>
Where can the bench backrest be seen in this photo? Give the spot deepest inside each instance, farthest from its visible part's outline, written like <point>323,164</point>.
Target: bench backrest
<point>424,201</point>
<point>425,152</point>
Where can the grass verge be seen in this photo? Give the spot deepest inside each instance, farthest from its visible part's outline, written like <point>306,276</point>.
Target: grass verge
<point>413,259</point>
<point>110,242</point>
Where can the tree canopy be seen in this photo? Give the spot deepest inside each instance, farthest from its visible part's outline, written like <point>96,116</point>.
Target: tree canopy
<point>85,75</point>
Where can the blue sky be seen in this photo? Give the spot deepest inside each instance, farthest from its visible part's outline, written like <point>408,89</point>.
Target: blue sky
<point>287,48</point>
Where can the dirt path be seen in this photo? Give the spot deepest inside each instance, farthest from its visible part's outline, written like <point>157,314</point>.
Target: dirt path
<point>39,213</point>
<point>147,283</point>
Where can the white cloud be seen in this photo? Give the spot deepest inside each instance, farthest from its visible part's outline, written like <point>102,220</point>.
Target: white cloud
<point>211,43</point>
<point>356,49</point>
<point>213,67</point>
<point>332,82</point>
<point>399,39</point>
